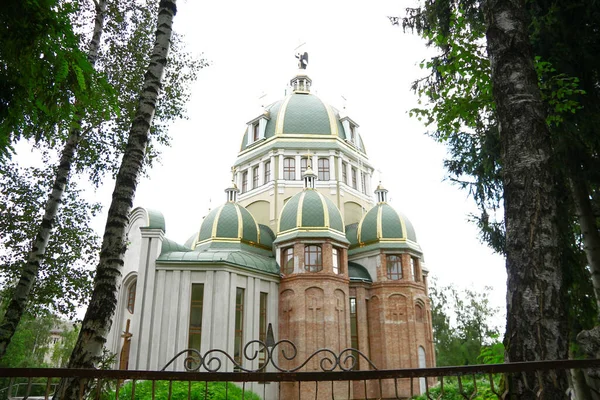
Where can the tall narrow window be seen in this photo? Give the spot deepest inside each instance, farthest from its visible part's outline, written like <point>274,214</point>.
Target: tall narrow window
<point>303,165</point>
<point>394,267</point>
<point>244,181</point>
<point>267,171</point>
<point>131,297</point>
<point>363,182</point>
<point>344,173</point>
<point>354,178</point>
<point>195,332</point>
<point>313,260</point>
<point>255,131</point>
<point>354,331</point>
<point>287,261</point>
<point>414,269</point>
<point>336,260</point>
<point>352,132</point>
<point>239,325</point>
<point>262,327</point>
<point>323,169</point>
<point>254,177</point>
<point>289,169</point>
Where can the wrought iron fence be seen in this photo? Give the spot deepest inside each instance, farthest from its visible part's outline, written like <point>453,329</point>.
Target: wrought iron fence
<point>19,383</point>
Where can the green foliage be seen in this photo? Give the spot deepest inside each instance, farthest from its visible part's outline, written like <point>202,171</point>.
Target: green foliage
<point>62,349</point>
<point>492,353</point>
<point>123,58</point>
<point>180,390</point>
<point>453,391</point>
<point>65,278</point>
<point>31,343</point>
<point>44,73</point>
<point>462,326</point>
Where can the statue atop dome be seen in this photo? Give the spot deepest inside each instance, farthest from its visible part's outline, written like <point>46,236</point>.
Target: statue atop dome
<point>302,60</point>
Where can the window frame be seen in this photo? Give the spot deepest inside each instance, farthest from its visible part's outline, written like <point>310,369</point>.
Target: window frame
<point>267,172</point>
<point>336,260</point>
<point>287,257</point>
<point>354,182</point>
<point>309,250</point>
<point>289,168</point>
<point>344,172</point>
<point>244,181</point>
<point>254,177</point>
<point>255,131</point>
<point>131,291</point>
<point>396,260</point>
<point>323,169</point>
<point>303,165</point>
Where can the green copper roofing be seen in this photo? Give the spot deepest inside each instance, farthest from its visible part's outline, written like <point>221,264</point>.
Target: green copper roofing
<point>358,273</point>
<point>229,221</point>
<point>308,210</point>
<point>233,254</point>
<point>266,235</point>
<point>384,224</point>
<point>169,245</point>
<point>156,220</point>
<point>306,114</point>
<point>351,232</point>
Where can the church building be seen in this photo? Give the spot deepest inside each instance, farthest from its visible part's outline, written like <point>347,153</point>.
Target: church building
<point>300,244</point>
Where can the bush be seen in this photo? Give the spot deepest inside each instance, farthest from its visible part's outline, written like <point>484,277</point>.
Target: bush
<point>451,389</point>
<point>179,391</point>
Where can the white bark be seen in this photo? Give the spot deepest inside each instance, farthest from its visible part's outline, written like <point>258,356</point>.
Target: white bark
<point>98,318</point>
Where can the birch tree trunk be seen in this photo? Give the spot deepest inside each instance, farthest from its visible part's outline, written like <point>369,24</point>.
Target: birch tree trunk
<point>98,318</point>
<point>536,319</point>
<point>18,303</point>
<point>589,229</point>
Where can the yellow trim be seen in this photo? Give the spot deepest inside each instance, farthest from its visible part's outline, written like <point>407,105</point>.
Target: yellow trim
<point>325,211</point>
<point>216,222</point>
<point>404,235</point>
<point>257,231</point>
<point>240,221</point>
<point>379,228</point>
<point>299,213</point>
<point>311,229</point>
<point>281,116</point>
<point>332,122</point>
<point>359,229</point>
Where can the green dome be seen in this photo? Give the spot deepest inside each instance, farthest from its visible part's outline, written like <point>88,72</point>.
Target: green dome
<point>310,210</point>
<point>266,235</point>
<point>229,222</point>
<point>383,223</point>
<point>302,114</point>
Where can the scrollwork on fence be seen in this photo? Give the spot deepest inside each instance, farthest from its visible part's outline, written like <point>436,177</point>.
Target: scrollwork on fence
<point>346,360</point>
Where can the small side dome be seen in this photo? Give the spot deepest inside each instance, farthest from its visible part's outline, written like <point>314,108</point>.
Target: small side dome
<point>266,236</point>
<point>310,210</point>
<point>352,233</point>
<point>383,223</point>
<point>229,222</point>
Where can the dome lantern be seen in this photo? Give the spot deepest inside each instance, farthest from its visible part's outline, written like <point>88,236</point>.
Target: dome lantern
<point>309,175</point>
<point>381,193</point>
<point>232,193</point>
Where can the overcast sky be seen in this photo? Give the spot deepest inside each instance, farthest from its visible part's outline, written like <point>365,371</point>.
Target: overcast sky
<point>354,52</point>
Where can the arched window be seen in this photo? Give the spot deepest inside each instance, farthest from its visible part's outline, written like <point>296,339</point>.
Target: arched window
<point>313,260</point>
<point>323,169</point>
<point>419,313</point>
<point>289,169</point>
<point>287,261</point>
<point>303,165</point>
<point>131,297</point>
<point>422,364</point>
<point>267,171</point>
<point>394,267</point>
<point>244,181</point>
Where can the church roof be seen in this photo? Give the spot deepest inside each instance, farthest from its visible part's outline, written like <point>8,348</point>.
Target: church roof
<point>358,273</point>
<point>310,214</point>
<point>382,227</point>
<point>229,222</point>
<point>302,114</point>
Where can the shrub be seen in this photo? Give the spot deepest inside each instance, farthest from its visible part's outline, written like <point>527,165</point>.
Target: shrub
<point>179,391</point>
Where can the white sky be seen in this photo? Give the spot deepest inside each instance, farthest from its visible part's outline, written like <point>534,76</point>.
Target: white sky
<point>353,51</point>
